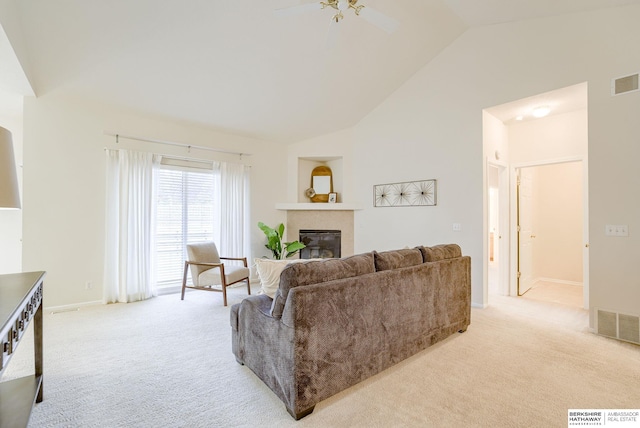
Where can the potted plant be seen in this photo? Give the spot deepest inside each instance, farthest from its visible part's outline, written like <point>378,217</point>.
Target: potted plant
<point>280,250</point>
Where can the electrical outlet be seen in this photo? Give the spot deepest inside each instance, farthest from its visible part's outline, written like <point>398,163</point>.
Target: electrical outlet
<point>88,285</point>
<point>457,227</point>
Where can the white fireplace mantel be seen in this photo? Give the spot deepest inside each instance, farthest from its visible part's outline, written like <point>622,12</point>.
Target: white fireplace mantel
<point>318,206</point>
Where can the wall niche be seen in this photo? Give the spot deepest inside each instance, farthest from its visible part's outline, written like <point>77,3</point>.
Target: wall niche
<point>307,164</point>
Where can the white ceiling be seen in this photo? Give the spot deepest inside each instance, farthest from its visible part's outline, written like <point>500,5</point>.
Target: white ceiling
<point>560,101</point>
<point>235,66</point>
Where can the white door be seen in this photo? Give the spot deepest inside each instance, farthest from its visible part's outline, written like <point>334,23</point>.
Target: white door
<point>526,237</point>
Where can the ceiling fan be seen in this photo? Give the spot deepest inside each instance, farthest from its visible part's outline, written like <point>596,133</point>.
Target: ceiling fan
<point>370,15</point>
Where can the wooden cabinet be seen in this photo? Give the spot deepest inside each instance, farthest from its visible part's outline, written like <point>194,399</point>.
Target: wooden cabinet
<point>20,304</point>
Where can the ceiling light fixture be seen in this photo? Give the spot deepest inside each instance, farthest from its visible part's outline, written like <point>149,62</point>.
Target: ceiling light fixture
<point>541,111</point>
<point>374,17</point>
<point>342,6</point>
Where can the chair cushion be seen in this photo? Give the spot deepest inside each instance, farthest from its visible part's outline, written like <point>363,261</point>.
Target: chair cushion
<point>441,252</point>
<point>314,272</point>
<point>396,259</point>
<point>203,252</point>
<point>232,274</point>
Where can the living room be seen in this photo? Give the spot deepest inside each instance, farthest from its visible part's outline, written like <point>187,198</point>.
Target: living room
<point>427,124</point>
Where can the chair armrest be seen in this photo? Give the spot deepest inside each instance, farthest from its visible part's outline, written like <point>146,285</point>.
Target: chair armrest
<point>204,264</point>
<point>242,259</point>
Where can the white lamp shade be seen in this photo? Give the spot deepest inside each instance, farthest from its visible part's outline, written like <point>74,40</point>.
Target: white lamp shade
<point>9,194</point>
<point>343,5</point>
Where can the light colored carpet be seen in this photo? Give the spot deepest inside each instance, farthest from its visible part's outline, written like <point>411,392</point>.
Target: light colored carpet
<point>168,363</point>
<point>555,292</point>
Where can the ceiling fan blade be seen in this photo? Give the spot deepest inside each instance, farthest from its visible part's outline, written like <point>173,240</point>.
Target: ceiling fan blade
<point>298,10</point>
<point>379,19</point>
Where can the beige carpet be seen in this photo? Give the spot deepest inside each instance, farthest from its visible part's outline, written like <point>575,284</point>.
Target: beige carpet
<point>168,363</point>
<point>548,291</point>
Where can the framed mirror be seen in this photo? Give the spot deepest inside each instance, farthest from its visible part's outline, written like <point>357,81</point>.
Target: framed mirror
<point>322,183</point>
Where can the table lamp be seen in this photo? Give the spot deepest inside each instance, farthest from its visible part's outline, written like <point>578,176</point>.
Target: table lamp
<point>9,194</point>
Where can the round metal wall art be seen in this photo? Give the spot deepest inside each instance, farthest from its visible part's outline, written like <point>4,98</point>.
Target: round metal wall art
<point>405,194</point>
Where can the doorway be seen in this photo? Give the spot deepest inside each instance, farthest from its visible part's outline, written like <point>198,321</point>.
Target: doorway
<point>514,137</point>
<point>549,228</point>
<point>498,228</point>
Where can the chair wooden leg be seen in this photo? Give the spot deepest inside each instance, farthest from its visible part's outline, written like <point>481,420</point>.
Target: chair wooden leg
<point>248,287</point>
<point>184,279</point>
<point>224,293</point>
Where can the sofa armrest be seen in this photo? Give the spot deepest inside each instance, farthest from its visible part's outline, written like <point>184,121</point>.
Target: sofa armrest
<point>253,310</point>
<point>264,344</point>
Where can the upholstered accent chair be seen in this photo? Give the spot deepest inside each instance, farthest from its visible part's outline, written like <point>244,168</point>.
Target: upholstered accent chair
<point>209,271</point>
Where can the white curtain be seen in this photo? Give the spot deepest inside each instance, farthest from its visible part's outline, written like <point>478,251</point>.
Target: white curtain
<point>234,210</point>
<point>130,219</point>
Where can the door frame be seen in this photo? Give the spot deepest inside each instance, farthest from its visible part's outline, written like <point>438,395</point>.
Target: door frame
<point>520,231</point>
<point>504,226</point>
<point>513,283</point>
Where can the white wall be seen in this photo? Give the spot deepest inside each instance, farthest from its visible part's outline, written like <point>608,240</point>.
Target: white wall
<point>549,139</point>
<point>431,127</point>
<point>614,150</point>
<point>496,139</point>
<point>64,184</point>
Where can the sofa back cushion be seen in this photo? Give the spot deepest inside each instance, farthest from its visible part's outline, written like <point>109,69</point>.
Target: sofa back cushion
<point>441,252</point>
<point>300,274</point>
<point>269,271</point>
<point>396,259</point>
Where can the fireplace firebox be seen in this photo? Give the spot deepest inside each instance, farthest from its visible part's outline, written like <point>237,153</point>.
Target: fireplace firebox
<point>323,244</point>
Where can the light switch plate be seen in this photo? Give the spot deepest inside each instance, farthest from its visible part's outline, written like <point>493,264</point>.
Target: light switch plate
<point>616,230</point>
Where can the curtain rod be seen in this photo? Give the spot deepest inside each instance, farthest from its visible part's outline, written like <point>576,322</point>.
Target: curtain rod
<point>188,159</point>
<point>171,143</point>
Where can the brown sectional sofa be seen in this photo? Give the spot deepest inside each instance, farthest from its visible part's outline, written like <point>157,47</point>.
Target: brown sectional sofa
<point>336,322</point>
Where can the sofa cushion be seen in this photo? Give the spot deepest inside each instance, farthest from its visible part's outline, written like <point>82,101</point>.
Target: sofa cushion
<point>314,272</point>
<point>441,252</point>
<point>396,259</point>
<point>269,271</point>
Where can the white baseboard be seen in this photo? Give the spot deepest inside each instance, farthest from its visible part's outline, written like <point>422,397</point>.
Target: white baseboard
<point>171,289</point>
<point>558,281</point>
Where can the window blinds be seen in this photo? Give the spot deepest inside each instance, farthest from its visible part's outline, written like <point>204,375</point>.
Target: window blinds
<point>185,214</point>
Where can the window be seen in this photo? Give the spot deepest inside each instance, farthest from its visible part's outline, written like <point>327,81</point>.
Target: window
<point>185,214</point>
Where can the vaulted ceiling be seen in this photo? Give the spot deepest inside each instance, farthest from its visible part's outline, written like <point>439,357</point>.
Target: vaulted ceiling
<point>236,66</point>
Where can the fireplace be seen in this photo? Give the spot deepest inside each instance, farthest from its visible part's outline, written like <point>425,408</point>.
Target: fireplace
<point>324,244</point>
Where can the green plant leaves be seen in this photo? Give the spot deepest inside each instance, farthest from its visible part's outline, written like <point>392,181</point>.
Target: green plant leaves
<point>293,247</point>
<point>274,243</point>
